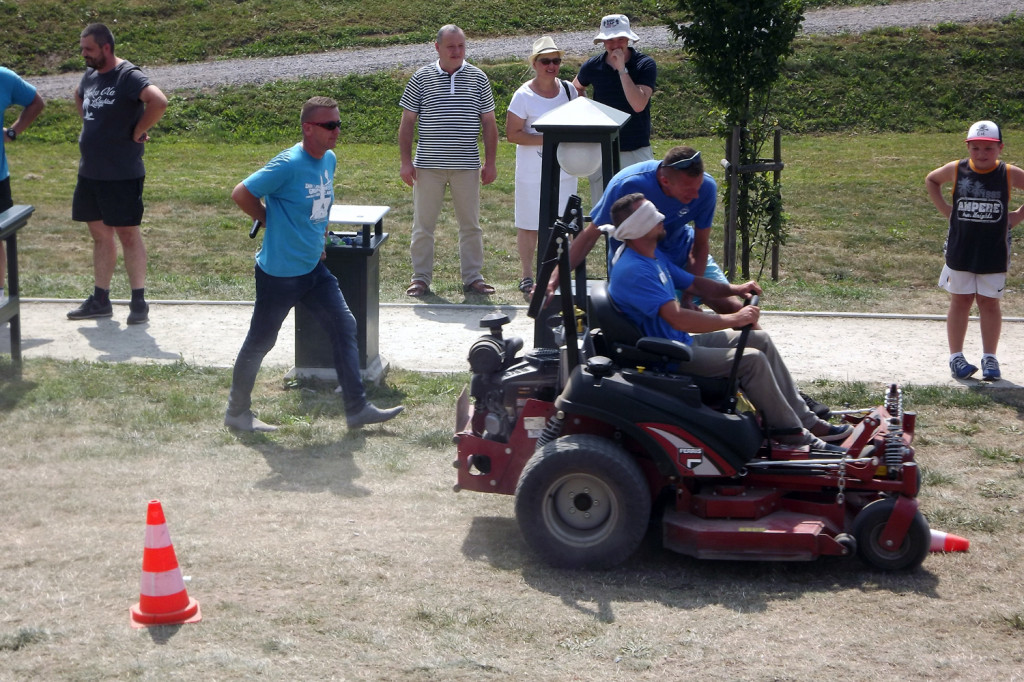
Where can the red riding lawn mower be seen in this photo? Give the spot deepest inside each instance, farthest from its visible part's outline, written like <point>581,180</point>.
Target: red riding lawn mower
<point>595,446</point>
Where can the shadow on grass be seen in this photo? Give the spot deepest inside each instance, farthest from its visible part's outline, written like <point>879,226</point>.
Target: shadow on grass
<point>161,634</point>
<point>322,467</point>
<point>682,582</point>
<point>12,390</point>
<point>1002,392</point>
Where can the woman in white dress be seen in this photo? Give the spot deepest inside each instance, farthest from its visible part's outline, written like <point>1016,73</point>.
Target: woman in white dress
<point>544,92</point>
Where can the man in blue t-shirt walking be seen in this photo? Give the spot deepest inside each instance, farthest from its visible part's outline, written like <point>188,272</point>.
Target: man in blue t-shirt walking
<point>297,188</point>
<point>13,90</point>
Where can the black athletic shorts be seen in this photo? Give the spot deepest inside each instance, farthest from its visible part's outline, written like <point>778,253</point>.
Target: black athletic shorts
<point>5,194</point>
<point>118,203</point>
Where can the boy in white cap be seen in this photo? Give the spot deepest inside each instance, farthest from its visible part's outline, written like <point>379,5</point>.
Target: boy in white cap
<point>977,245</point>
<point>643,285</point>
<point>624,79</point>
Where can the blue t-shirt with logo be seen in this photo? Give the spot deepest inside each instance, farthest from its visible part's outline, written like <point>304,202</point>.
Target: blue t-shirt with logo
<point>298,191</point>
<point>13,90</point>
<point>680,218</point>
<point>641,285</point>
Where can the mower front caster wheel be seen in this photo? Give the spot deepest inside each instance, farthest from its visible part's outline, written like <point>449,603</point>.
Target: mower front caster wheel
<point>868,528</point>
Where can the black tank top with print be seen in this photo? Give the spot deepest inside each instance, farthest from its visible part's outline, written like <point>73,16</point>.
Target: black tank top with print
<point>979,238</point>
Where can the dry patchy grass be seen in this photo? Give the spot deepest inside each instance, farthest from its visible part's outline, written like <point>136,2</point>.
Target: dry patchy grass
<point>317,554</point>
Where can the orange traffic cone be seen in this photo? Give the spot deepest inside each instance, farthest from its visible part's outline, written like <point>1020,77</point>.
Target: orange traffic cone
<point>947,542</point>
<point>163,599</point>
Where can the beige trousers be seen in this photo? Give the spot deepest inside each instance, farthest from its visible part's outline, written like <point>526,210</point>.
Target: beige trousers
<point>428,196</point>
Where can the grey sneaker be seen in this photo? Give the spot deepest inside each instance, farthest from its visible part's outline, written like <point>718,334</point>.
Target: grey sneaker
<point>91,309</point>
<point>138,314</point>
<point>990,369</point>
<point>247,421</point>
<point>960,368</point>
<point>371,414</point>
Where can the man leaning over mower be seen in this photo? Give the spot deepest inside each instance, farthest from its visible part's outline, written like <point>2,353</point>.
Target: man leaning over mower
<point>679,188</point>
<point>643,285</point>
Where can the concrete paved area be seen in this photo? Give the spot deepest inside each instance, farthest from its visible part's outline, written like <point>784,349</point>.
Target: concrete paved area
<point>436,338</point>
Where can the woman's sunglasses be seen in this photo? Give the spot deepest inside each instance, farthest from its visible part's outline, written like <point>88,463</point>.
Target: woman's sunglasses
<point>547,61</point>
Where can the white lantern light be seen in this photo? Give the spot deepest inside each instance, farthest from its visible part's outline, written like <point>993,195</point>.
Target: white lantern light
<point>580,159</point>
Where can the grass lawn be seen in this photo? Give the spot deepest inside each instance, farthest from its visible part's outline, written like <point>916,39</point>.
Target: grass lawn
<point>321,554</point>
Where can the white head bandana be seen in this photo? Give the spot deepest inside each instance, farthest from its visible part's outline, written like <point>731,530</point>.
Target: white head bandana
<point>642,221</point>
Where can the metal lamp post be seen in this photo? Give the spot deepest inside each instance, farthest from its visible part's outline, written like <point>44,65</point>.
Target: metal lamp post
<point>579,123</point>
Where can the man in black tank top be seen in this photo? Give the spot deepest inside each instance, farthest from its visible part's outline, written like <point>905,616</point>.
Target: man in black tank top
<point>977,245</point>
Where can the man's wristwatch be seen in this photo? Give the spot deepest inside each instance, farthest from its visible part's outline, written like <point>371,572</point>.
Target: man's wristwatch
<point>12,134</point>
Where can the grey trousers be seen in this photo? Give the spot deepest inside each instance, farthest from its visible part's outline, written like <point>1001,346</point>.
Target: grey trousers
<point>763,375</point>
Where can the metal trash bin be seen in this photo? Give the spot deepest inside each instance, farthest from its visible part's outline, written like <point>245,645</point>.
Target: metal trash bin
<point>353,256</point>
<point>12,220</point>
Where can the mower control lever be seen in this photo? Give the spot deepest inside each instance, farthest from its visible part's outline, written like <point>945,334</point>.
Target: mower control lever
<point>733,399</point>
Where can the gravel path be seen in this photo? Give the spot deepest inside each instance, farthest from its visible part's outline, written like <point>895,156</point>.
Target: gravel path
<point>342,62</point>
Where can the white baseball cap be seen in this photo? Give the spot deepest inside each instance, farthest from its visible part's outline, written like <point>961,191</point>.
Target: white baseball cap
<point>985,130</point>
<point>615,26</point>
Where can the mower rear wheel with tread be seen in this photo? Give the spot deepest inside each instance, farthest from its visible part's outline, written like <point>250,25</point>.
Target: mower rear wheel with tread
<point>582,502</point>
<point>868,527</point>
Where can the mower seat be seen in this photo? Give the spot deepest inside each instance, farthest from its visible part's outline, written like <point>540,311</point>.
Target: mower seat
<point>623,341</point>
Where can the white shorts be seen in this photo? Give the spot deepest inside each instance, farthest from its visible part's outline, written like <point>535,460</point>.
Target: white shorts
<point>960,282</point>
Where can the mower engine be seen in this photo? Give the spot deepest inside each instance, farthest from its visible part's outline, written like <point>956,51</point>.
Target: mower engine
<point>502,382</point>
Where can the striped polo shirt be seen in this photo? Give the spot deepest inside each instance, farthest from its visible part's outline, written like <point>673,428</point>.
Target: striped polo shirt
<point>448,110</point>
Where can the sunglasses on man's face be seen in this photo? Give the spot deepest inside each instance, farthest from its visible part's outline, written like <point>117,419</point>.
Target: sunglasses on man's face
<point>327,125</point>
<point>547,61</point>
<point>683,164</point>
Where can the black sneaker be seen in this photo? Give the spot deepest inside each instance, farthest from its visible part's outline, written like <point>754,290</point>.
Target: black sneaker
<point>820,410</point>
<point>91,309</point>
<point>137,314</point>
<point>831,433</point>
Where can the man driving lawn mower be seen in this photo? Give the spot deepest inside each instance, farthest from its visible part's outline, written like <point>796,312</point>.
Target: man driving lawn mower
<point>643,285</point>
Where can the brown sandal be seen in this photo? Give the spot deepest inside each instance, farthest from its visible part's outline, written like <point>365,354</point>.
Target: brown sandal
<point>417,289</point>
<point>478,287</point>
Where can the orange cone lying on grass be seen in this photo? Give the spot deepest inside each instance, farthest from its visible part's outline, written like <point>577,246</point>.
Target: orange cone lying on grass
<point>947,542</point>
<point>163,599</point>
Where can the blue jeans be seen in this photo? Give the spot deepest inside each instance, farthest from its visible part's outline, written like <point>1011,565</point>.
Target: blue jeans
<point>318,291</point>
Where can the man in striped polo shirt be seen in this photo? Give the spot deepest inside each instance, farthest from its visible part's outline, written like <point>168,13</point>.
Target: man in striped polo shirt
<point>450,101</point>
